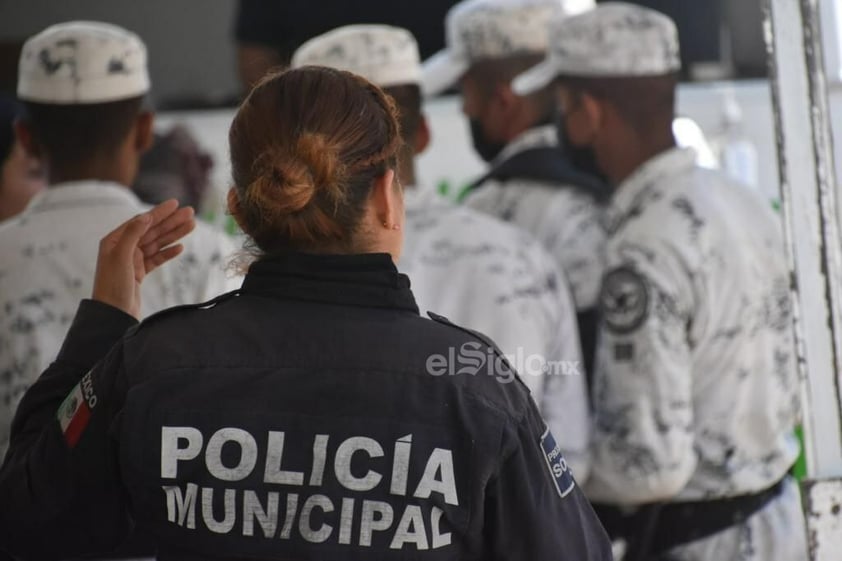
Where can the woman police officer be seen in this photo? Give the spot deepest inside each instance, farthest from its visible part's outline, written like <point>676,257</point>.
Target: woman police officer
<point>304,416</point>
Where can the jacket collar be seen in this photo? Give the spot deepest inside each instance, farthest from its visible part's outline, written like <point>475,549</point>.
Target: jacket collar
<point>646,184</point>
<point>367,280</point>
<point>542,136</point>
<point>91,193</point>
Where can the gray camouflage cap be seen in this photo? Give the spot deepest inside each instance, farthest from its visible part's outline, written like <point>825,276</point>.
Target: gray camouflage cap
<point>491,29</point>
<point>615,39</point>
<point>81,62</point>
<point>384,55</point>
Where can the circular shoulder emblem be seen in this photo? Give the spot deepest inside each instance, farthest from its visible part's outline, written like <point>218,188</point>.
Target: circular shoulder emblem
<point>625,300</point>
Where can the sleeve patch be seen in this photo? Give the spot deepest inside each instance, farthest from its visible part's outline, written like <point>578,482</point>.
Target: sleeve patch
<point>561,474</point>
<point>75,412</point>
<point>624,300</point>
<point>624,352</point>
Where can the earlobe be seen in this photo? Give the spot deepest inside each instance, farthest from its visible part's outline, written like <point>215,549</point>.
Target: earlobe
<point>388,199</point>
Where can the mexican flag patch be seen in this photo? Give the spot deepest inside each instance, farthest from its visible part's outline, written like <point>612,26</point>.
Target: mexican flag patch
<point>75,412</point>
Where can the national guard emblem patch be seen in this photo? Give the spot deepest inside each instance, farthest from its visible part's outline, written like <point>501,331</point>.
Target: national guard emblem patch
<point>624,301</point>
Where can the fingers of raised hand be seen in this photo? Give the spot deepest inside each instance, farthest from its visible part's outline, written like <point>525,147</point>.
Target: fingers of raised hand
<point>157,259</point>
<point>122,241</point>
<point>162,211</point>
<point>171,229</point>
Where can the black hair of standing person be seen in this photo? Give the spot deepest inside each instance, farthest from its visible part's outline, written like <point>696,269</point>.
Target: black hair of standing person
<point>71,135</point>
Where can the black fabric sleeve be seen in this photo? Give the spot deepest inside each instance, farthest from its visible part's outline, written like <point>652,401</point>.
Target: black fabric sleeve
<point>58,500</point>
<point>534,513</point>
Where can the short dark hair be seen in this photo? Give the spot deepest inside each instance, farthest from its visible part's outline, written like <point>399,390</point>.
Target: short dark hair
<point>489,73</point>
<point>647,103</point>
<point>70,134</point>
<point>492,71</point>
<point>408,100</point>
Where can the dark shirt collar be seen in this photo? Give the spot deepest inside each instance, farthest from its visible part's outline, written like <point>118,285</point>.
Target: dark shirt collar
<point>368,280</point>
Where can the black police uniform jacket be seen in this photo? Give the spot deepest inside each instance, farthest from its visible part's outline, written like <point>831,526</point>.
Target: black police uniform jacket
<point>311,415</point>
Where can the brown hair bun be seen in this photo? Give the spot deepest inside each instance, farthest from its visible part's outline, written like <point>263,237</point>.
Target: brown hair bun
<point>306,146</point>
<point>288,180</point>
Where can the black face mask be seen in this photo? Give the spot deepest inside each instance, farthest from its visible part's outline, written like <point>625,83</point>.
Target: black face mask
<point>583,158</point>
<point>486,149</point>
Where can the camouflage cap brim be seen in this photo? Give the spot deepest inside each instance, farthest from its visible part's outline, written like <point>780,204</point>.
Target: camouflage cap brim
<point>536,78</point>
<point>442,71</point>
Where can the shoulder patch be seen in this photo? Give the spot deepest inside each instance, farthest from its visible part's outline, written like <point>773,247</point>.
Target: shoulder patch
<point>559,470</point>
<point>624,301</point>
<point>75,412</point>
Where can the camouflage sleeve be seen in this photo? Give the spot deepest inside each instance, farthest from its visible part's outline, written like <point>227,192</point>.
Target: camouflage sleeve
<point>564,400</point>
<point>642,448</point>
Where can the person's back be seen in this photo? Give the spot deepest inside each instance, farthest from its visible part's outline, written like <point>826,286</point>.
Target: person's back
<point>490,276</point>
<point>342,451</point>
<point>297,418</point>
<point>89,128</point>
<point>531,182</point>
<point>563,217</point>
<point>737,343</point>
<point>696,391</point>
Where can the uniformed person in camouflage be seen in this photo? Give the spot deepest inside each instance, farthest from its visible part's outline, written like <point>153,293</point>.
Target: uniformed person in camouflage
<point>696,392</point>
<point>83,84</point>
<point>470,267</point>
<point>530,182</point>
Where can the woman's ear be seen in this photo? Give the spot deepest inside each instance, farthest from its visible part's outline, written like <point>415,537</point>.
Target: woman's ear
<point>386,213</point>
<point>388,200</point>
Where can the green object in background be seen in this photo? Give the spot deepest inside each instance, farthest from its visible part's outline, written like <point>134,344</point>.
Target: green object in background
<point>444,188</point>
<point>452,193</point>
<point>231,227</point>
<point>463,193</point>
<point>799,470</point>
<point>226,222</point>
